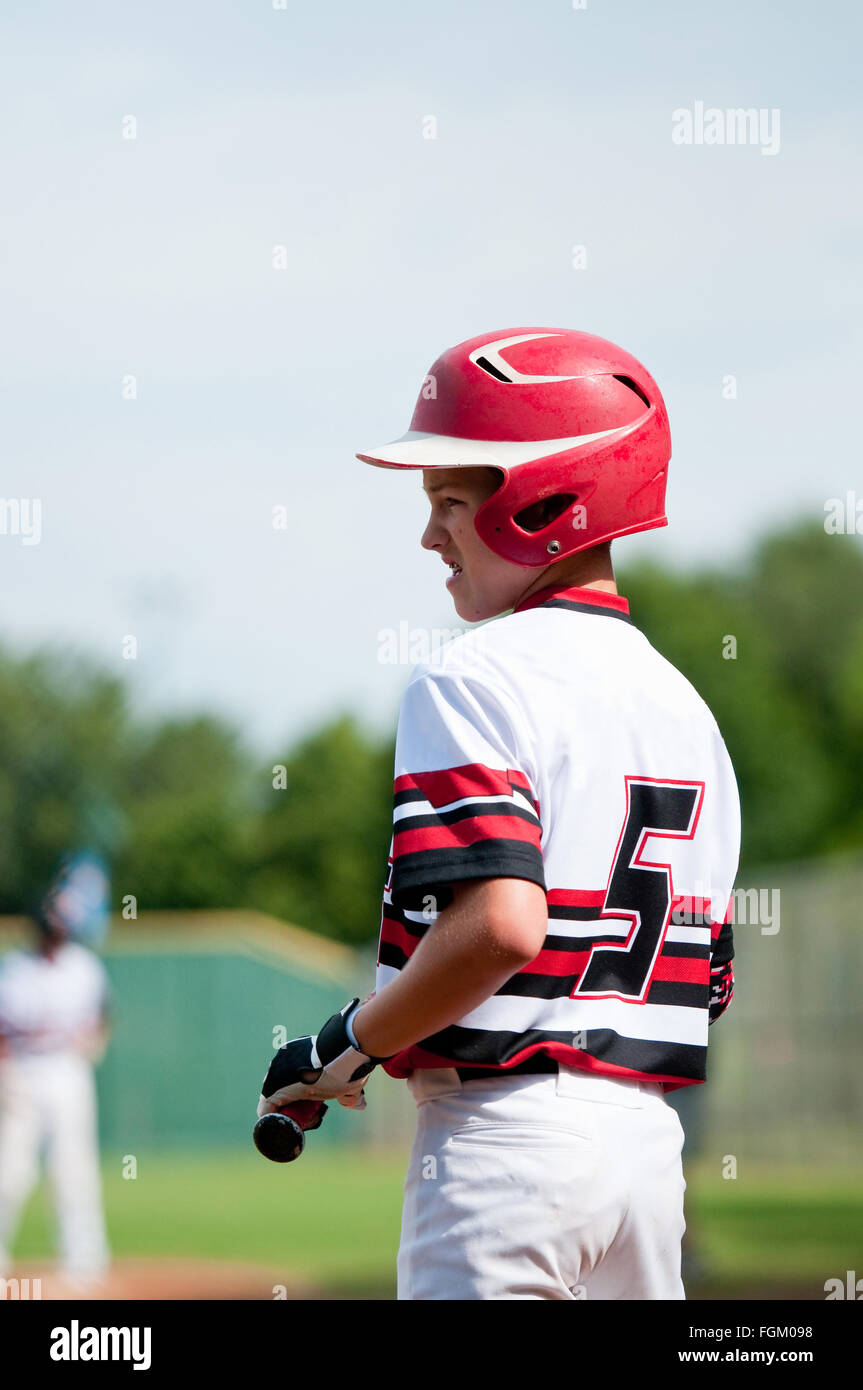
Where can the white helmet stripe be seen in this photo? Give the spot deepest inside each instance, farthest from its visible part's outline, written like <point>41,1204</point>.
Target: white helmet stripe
<point>512,376</point>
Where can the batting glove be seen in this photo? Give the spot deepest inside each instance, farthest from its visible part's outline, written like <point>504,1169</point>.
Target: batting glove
<point>342,1069</point>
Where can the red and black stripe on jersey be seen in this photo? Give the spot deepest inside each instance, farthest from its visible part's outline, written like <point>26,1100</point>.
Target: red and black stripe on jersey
<point>400,936</point>
<point>463,823</point>
<point>592,1049</point>
<point>721,970</point>
<point>578,600</point>
<point>681,976</point>
<point>599,1050</point>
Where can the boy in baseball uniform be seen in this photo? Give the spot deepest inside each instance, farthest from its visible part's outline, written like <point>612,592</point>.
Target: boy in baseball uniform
<point>54,1003</point>
<point>555,936</point>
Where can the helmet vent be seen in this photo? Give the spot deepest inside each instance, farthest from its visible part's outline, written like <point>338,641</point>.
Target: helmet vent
<point>627,381</point>
<point>492,370</point>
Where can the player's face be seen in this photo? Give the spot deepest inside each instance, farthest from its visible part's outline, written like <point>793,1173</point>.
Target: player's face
<point>481,583</point>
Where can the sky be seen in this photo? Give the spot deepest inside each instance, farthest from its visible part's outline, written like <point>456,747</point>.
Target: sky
<point>168,380</point>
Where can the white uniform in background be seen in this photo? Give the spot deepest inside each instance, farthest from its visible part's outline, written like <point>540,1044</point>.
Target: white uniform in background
<point>49,1007</point>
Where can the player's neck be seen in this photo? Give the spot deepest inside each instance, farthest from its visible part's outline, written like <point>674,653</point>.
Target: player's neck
<point>588,569</point>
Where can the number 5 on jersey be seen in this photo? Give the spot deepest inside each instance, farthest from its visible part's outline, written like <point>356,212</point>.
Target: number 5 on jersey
<point>640,891</point>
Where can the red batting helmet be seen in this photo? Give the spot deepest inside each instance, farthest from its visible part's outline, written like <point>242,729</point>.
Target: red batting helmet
<point>562,415</point>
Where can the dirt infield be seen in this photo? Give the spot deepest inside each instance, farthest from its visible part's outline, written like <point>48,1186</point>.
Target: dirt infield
<point>212,1280</point>
<point>130,1279</point>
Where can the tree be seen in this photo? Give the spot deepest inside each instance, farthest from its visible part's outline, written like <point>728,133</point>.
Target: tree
<point>324,833</point>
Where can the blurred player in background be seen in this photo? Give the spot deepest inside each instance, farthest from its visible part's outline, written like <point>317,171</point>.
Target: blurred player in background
<point>53,1029</point>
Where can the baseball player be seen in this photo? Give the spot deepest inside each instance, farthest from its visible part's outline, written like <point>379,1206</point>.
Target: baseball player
<point>556,936</point>
<point>53,1027</point>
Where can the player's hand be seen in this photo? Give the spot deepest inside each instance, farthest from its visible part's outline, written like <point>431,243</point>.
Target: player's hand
<point>308,1114</point>
<point>326,1066</point>
<point>353,1102</point>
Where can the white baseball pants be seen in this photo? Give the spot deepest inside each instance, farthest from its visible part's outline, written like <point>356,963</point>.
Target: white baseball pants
<point>50,1101</point>
<point>542,1186</point>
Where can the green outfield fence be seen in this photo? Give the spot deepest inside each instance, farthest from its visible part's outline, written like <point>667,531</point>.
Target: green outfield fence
<point>196,997</point>
<point>786,1062</point>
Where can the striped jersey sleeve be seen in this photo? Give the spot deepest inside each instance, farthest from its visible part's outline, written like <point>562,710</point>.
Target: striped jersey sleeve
<point>463,804</point>
<point>721,970</point>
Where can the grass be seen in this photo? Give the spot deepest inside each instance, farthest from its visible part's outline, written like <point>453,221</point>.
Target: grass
<point>786,1226</point>
<point>333,1218</point>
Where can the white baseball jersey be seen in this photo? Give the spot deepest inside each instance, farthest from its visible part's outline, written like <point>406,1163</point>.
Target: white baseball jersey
<point>556,745</point>
<point>45,1001</point>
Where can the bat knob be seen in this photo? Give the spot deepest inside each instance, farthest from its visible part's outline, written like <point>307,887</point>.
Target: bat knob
<point>279,1138</point>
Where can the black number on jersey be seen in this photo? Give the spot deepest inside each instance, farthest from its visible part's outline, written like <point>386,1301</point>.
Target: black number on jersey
<point>639,890</point>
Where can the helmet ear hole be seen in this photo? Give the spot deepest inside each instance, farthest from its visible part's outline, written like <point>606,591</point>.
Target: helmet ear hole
<point>542,513</point>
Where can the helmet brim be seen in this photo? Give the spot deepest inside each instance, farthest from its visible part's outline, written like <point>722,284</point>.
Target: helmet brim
<point>417,449</point>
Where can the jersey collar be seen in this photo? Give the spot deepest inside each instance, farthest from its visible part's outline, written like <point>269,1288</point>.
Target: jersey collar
<point>577,600</point>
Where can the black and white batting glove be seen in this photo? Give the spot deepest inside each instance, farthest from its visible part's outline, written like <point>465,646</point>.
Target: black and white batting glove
<point>342,1068</point>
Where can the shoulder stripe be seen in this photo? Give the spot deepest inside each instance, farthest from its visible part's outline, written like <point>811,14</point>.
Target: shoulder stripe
<point>435,865</point>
